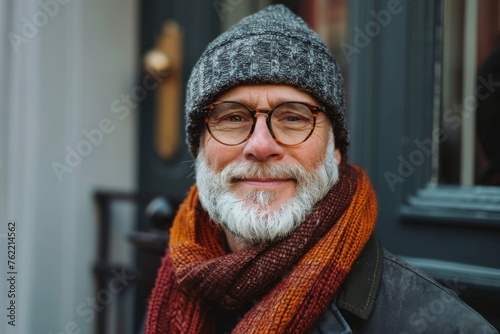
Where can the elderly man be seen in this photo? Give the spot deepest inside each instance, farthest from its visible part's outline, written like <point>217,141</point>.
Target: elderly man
<point>277,234</point>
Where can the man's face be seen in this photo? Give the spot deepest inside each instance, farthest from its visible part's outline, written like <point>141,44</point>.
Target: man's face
<point>264,175</point>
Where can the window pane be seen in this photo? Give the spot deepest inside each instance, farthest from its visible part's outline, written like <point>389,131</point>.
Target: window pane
<point>470,116</point>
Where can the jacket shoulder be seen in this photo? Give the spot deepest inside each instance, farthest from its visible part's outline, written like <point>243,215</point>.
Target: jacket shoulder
<point>409,301</point>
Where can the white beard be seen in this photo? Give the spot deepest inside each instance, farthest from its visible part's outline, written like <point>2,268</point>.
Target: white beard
<point>249,218</point>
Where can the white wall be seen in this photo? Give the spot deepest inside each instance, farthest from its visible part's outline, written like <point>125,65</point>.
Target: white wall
<point>60,80</point>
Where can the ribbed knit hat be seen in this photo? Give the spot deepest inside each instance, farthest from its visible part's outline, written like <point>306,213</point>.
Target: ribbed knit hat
<point>271,46</point>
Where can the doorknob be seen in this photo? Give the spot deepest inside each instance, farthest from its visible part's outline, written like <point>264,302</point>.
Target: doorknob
<point>166,61</point>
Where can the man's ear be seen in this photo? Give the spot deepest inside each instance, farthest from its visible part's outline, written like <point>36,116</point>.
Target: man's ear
<point>338,155</point>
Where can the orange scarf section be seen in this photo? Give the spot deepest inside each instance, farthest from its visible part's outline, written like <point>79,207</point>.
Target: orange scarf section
<point>289,306</point>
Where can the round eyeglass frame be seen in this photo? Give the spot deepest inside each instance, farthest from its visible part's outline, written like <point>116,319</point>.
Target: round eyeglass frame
<point>315,110</point>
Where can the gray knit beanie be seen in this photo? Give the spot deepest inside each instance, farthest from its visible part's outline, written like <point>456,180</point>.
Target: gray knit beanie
<point>271,46</point>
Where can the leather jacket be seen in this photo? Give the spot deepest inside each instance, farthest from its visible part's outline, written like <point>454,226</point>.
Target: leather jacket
<point>384,294</point>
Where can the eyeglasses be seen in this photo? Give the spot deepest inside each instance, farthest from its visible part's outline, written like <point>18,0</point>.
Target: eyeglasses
<point>290,123</point>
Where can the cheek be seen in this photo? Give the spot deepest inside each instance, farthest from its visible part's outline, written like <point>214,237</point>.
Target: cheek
<point>314,153</point>
<point>218,156</point>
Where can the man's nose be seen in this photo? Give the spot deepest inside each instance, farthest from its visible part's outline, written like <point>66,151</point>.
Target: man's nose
<point>261,146</point>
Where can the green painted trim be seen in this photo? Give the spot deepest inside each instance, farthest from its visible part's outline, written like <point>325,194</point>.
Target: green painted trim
<point>465,274</point>
<point>454,205</point>
<point>450,217</point>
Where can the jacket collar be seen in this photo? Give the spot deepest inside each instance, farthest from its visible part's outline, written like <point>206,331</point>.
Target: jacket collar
<point>359,290</point>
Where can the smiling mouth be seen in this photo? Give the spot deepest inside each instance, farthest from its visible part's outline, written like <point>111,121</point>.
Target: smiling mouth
<point>271,182</point>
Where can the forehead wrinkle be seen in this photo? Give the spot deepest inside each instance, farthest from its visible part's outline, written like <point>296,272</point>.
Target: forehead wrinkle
<point>264,96</point>
<point>257,97</point>
<point>249,98</point>
<point>273,101</point>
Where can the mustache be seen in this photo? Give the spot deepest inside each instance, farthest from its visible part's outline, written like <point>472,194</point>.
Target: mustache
<point>244,170</point>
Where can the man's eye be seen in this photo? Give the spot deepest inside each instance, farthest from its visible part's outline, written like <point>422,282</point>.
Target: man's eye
<point>234,118</point>
<point>293,118</point>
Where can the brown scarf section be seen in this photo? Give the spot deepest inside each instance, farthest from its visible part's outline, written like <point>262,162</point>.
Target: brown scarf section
<point>286,284</point>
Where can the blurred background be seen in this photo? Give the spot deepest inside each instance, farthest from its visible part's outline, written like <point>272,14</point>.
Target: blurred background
<point>93,160</point>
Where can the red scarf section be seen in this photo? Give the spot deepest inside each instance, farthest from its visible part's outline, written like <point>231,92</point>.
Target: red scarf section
<point>287,284</point>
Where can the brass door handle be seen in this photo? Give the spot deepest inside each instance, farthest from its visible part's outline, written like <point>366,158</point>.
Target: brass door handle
<point>157,61</point>
<point>166,60</point>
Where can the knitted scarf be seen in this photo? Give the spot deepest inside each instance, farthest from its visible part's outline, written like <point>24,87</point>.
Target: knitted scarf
<point>285,285</point>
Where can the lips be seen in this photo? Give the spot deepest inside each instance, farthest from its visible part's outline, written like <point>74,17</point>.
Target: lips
<point>271,182</point>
